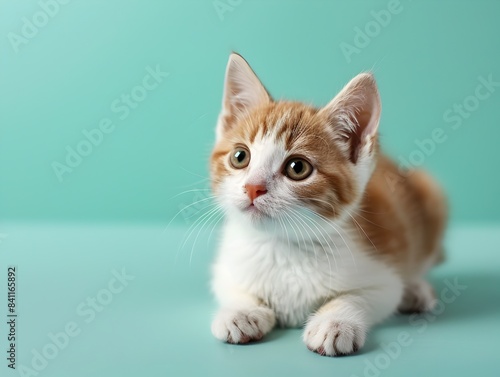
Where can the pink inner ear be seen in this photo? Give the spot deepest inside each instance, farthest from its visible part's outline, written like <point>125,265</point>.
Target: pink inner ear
<point>369,120</point>
<point>355,112</point>
<point>367,124</point>
<point>243,88</point>
<point>355,143</point>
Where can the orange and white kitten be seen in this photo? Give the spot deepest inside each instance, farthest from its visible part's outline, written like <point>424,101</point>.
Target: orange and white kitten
<point>314,234</point>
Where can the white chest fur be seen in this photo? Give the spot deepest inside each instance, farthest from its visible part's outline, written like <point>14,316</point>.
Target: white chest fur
<point>292,278</point>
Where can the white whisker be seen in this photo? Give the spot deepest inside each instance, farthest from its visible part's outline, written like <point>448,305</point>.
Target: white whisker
<point>360,227</point>
<point>192,228</point>
<point>330,223</point>
<point>183,209</point>
<point>206,222</point>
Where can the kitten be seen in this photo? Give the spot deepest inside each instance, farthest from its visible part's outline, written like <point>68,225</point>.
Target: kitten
<point>322,229</point>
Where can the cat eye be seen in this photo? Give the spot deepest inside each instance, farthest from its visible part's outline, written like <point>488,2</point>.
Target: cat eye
<point>240,158</point>
<point>298,169</point>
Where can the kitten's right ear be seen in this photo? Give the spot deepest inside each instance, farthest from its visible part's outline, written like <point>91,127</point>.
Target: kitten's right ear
<point>355,114</point>
<point>243,91</point>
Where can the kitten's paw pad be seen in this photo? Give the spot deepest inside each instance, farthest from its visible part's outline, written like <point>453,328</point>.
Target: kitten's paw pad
<point>418,298</point>
<point>334,337</point>
<point>243,326</point>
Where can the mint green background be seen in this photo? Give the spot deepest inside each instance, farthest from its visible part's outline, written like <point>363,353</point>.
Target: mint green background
<point>112,211</point>
<point>159,325</point>
<point>64,80</point>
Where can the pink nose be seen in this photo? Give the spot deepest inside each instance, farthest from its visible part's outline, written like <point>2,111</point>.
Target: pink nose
<point>254,191</point>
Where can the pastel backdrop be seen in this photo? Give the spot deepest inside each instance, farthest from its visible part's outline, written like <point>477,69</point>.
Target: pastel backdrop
<point>107,116</point>
<point>60,79</point>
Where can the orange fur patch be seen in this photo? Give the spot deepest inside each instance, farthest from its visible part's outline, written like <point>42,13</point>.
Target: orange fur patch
<point>402,223</point>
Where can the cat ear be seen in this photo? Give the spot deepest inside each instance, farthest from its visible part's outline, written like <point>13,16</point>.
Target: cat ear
<point>243,91</point>
<point>355,114</point>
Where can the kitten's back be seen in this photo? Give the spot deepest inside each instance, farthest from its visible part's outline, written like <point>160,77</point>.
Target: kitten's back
<point>402,217</point>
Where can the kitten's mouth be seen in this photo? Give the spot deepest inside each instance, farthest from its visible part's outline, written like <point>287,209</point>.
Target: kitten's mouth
<point>254,211</point>
<point>252,208</point>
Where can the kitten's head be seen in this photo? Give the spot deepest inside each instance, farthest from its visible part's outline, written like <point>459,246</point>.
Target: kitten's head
<point>274,159</point>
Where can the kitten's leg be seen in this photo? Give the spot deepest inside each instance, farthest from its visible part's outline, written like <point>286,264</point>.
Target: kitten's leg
<point>339,327</point>
<point>242,318</point>
<point>418,297</point>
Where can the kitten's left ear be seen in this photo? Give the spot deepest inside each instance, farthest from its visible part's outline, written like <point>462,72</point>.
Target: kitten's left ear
<point>243,91</point>
<point>355,114</point>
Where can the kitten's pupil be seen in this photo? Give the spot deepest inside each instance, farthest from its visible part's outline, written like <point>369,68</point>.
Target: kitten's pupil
<point>240,155</point>
<point>297,166</point>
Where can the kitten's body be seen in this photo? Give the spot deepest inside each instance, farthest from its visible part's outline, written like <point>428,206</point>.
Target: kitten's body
<point>294,282</point>
<point>340,249</point>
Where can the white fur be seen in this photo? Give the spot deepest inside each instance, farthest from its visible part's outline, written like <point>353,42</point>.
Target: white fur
<point>280,262</point>
<point>418,296</point>
<point>254,266</point>
<point>295,264</point>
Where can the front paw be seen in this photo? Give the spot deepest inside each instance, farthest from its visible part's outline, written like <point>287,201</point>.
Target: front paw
<point>244,325</point>
<point>329,336</point>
